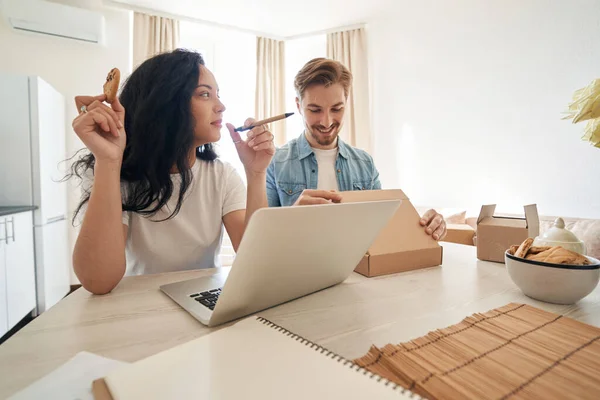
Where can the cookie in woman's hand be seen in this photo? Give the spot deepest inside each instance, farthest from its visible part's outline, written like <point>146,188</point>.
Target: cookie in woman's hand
<point>111,86</point>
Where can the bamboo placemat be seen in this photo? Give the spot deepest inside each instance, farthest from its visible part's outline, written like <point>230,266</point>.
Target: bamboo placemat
<point>512,352</point>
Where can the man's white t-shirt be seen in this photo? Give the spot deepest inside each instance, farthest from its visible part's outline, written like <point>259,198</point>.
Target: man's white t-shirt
<point>192,238</point>
<point>327,177</point>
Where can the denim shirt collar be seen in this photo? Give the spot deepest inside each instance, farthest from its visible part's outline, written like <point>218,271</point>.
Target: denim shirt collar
<point>304,149</point>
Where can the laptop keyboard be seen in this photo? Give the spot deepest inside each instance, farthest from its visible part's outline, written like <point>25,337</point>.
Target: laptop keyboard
<point>208,298</point>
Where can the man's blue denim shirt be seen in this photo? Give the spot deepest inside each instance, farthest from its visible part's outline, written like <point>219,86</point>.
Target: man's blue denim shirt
<point>294,168</point>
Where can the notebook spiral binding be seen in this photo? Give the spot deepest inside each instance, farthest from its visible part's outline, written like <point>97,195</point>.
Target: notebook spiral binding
<point>341,359</point>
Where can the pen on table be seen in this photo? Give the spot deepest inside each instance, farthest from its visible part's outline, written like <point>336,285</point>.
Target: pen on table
<point>264,121</point>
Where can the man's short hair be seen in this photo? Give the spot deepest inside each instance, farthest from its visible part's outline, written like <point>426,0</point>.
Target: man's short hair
<point>322,71</point>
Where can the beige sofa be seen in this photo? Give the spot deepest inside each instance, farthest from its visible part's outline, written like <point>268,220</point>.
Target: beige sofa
<point>463,228</point>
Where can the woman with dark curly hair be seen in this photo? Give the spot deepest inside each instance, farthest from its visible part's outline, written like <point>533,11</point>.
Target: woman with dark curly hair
<point>156,196</point>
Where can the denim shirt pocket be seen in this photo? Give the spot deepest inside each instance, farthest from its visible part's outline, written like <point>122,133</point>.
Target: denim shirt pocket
<point>289,192</point>
<point>362,185</point>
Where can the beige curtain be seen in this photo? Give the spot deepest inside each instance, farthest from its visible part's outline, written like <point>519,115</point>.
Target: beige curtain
<point>153,35</point>
<point>350,48</point>
<point>270,85</point>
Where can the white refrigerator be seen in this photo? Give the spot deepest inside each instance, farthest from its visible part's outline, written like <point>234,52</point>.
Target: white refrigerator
<point>32,163</point>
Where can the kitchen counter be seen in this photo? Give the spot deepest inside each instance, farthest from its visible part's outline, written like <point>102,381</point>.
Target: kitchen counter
<point>7,210</point>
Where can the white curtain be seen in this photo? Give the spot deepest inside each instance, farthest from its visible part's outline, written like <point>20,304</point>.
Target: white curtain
<point>153,35</point>
<point>350,48</point>
<point>270,84</point>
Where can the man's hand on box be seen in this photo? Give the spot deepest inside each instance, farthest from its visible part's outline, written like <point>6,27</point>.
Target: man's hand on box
<point>312,197</point>
<point>434,224</point>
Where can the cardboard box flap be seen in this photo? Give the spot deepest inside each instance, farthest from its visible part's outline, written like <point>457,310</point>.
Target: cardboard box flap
<point>533,220</point>
<point>487,211</point>
<point>530,222</point>
<point>403,232</point>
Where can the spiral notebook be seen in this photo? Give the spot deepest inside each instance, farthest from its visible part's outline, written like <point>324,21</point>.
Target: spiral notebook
<point>253,358</point>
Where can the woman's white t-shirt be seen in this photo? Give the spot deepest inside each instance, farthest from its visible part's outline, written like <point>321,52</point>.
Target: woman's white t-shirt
<point>192,238</point>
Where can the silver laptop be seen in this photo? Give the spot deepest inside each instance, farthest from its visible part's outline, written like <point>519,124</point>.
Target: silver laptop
<point>286,253</point>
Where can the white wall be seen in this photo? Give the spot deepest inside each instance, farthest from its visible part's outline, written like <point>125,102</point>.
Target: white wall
<point>71,67</point>
<point>467,99</point>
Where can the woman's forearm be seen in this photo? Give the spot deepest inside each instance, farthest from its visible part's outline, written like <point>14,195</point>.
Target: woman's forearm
<point>99,254</point>
<point>256,193</point>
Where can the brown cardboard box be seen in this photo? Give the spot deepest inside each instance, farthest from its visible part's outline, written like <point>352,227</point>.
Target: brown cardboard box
<point>459,233</point>
<point>495,234</point>
<point>403,245</point>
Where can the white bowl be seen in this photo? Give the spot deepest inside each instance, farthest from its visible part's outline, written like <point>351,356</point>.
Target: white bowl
<point>553,283</point>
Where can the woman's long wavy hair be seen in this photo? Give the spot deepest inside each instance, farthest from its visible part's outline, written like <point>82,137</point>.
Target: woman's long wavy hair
<point>160,133</point>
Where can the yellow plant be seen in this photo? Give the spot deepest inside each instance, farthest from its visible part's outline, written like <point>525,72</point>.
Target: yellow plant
<point>586,107</point>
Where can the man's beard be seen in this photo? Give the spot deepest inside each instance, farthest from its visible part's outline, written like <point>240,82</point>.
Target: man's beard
<point>320,138</point>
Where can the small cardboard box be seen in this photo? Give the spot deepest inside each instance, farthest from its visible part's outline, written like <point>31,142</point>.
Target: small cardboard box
<point>403,245</point>
<point>495,234</point>
<point>459,233</point>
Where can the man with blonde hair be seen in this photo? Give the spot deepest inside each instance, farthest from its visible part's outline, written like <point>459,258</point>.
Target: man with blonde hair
<point>316,166</point>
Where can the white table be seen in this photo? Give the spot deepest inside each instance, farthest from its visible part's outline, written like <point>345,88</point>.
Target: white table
<point>136,320</point>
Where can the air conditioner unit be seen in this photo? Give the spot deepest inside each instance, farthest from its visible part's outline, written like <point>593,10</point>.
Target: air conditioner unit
<point>53,19</point>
